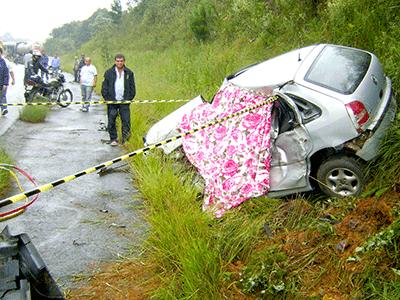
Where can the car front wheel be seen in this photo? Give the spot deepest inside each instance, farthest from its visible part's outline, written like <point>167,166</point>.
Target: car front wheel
<point>341,176</point>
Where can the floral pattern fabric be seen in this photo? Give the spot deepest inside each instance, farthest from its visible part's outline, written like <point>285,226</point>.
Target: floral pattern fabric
<point>233,157</point>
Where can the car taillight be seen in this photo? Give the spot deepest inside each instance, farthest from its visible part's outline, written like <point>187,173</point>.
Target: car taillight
<point>358,114</point>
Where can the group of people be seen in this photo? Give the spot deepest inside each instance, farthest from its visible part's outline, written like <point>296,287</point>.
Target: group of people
<point>36,60</point>
<point>118,86</point>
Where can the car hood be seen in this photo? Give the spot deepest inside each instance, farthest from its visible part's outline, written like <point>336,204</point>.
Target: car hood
<point>272,72</point>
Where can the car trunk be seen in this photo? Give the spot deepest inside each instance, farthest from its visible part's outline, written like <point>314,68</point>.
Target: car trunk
<point>376,91</point>
<point>356,74</point>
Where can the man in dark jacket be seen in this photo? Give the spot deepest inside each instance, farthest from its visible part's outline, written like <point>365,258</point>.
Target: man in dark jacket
<point>118,85</point>
<point>4,78</point>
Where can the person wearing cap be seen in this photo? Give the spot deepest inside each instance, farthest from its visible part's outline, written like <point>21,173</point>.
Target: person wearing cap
<point>118,85</point>
<point>4,79</point>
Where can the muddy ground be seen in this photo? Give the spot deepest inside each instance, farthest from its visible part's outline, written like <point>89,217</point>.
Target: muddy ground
<point>81,224</point>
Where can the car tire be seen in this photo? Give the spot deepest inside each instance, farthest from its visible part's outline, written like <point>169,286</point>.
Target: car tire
<point>341,176</point>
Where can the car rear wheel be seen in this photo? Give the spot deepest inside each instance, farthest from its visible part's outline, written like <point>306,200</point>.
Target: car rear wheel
<point>341,176</point>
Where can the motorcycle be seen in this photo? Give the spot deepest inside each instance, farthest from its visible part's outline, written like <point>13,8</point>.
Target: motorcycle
<point>53,90</point>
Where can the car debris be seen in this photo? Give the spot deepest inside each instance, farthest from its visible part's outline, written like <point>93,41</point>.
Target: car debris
<point>23,273</point>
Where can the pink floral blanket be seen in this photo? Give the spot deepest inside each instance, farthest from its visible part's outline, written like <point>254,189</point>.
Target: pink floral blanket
<point>233,157</point>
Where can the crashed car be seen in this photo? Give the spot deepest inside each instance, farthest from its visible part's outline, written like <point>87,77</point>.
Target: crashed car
<point>335,104</point>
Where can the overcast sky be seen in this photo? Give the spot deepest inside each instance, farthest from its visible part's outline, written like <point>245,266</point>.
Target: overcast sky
<point>34,19</point>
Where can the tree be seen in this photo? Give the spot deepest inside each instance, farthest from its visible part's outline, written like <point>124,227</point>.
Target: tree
<point>116,11</point>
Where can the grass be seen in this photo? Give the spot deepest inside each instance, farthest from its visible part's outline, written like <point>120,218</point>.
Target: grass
<point>5,176</point>
<point>385,169</point>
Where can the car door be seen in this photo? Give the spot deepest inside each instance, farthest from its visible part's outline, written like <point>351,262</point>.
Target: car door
<point>291,146</point>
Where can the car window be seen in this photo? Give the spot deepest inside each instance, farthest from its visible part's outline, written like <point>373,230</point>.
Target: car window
<point>339,69</point>
<point>283,116</point>
<point>308,111</point>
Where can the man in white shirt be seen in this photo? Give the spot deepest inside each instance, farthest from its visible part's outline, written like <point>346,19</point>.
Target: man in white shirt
<point>88,79</point>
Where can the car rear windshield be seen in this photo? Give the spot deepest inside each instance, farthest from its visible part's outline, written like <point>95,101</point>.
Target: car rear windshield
<point>339,69</point>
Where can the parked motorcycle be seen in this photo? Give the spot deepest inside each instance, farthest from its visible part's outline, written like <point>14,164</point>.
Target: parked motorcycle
<point>53,90</point>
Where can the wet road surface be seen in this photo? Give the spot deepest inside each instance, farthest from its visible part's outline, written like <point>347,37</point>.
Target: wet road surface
<point>85,222</point>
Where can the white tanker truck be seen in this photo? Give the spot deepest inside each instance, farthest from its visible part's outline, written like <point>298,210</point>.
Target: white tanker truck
<point>16,50</point>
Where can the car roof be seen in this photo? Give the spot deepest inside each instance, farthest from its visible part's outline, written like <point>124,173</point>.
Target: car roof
<point>272,72</point>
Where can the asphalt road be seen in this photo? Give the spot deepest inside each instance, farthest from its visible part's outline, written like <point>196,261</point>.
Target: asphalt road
<point>81,224</point>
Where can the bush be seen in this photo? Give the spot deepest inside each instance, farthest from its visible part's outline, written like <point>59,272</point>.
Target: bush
<point>34,114</point>
<point>200,21</point>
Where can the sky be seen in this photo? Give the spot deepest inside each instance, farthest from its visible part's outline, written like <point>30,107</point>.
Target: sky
<point>35,19</point>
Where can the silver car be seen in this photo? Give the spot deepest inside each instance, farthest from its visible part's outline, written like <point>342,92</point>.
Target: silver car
<point>335,104</point>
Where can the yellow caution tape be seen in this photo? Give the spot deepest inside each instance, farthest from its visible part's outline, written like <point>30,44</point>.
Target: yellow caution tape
<point>92,102</point>
<point>51,185</point>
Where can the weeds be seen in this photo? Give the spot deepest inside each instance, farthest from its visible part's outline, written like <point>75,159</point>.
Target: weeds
<point>5,177</point>
<point>266,274</point>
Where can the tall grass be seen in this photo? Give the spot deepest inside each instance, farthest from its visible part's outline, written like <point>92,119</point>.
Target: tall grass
<point>385,168</point>
<point>191,248</point>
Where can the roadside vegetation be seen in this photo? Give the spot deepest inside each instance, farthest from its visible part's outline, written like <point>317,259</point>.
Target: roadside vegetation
<point>34,114</point>
<point>300,247</point>
<point>5,176</point>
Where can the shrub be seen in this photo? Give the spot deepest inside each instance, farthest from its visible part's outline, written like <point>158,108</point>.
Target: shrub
<point>200,21</point>
<point>34,114</point>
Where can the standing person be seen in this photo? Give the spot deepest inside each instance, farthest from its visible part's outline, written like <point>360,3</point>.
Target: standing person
<point>76,69</point>
<point>27,61</point>
<point>44,60</point>
<point>81,62</point>
<point>3,99</point>
<point>88,79</point>
<point>118,85</point>
<point>55,64</point>
<point>4,79</point>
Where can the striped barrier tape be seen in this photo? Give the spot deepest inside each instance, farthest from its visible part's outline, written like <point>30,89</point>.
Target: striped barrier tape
<point>91,102</point>
<point>53,184</point>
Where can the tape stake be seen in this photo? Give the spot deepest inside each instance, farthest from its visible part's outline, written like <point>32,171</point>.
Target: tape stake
<point>51,185</point>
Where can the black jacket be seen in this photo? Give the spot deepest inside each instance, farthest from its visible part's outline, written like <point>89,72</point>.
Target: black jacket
<point>34,66</point>
<point>108,86</point>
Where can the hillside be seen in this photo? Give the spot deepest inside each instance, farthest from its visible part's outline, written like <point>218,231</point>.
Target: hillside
<point>303,247</point>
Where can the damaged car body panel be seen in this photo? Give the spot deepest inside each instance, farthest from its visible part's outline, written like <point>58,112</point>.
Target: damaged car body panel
<point>290,148</point>
<point>335,104</point>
